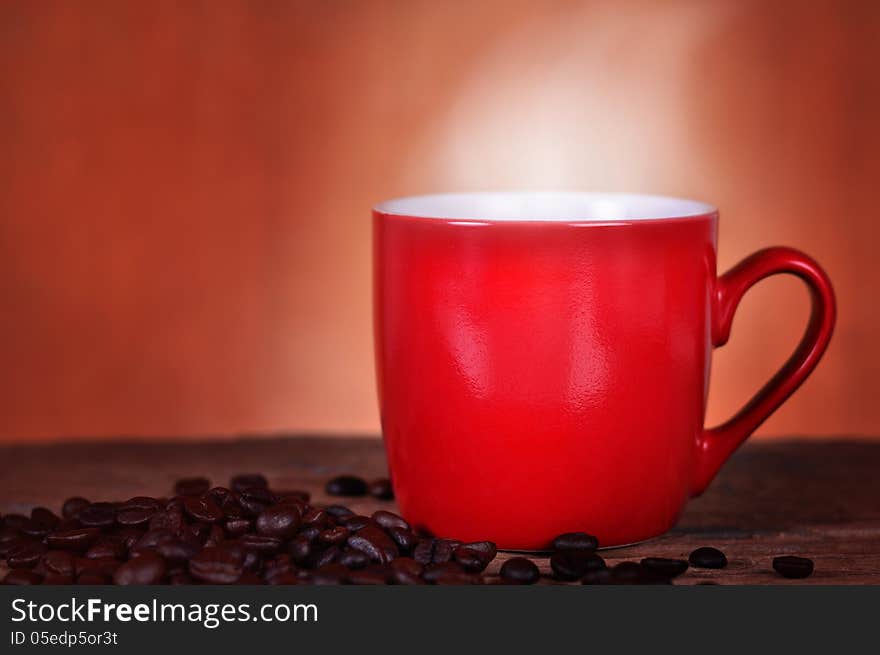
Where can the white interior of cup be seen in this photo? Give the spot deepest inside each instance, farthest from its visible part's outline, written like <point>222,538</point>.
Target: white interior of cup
<point>544,206</point>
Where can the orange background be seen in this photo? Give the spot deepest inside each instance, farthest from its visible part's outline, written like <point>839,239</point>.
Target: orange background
<point>185,187</point>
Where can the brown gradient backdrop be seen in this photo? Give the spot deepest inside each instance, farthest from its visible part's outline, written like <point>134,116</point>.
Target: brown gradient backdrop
<point>185,187</point>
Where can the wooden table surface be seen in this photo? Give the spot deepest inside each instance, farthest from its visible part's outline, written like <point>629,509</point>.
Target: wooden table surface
<point>819,499</point>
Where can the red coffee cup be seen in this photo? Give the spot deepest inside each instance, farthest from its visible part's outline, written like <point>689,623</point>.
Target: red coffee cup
<point>543,360</point>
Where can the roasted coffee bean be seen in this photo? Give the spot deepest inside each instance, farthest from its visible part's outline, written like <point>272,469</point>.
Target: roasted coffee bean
<point>346,485</point>
<point>574,564</point>
<point>35,529</point>
<point>368,577</point>
<point>15,521</point>
<point>78,539</point>
<point>373,542</point>
<point>25,555</point>
<point>354,559</point>
<point>575,541</point>
<point>191,486</point>
<point>707,558</point>
<point>470,560</point>
<point>248,480</point>
<point>170,519</point>
<point>626,573</point>
<point>330,574</point>
<point>338,511</point>
<point>59,561</point>
<point>356,522</point>
<point>406,571</point>
<point>443,549</point>
<point>423,553</point>
<point>404,539</point>
<point>134,516</point>
<point>217,565</point>
<point>790,566</point>
<point>300,550</point>
<point>202,508</point>
<point>260,543</point>
<point>153,538</point>
<point>106,566</point>
<point>309,533</point>
<point>57,579</point>
<point>334,536</point>
<point>128,537</point>
<point>147,503</point>
<point>389,520</point>
<point>254,500</point>
<point>462,578</point>
<point>669,568</point>
<point>487,549</point>
<point>316,517</point>
<point>72,507</point>
<point>279,521</point>
<point>22,577</point>
<point>519,570</point>
<point>107,547</point>
<point>175,551</point>
<point>433,572</point>
<point>598,576</point>
<point>381,489</point>
<point>148,569</point>
<point>91,578</point>
<point>97,515</point>
<point>324,557</point>
<point>236,527</point>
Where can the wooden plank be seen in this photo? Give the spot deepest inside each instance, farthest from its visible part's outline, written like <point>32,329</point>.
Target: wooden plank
<point>819,499</point>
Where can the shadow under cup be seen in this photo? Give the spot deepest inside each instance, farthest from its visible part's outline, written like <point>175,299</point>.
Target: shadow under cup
<point>543,360</point>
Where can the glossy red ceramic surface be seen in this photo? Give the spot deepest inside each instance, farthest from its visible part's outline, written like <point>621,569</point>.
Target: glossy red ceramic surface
<point>540,377</point>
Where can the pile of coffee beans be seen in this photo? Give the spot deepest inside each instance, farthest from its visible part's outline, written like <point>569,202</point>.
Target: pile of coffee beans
<point>248,533</point>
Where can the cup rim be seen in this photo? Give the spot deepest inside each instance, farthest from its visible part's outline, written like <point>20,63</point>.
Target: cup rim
<point>579,207</point>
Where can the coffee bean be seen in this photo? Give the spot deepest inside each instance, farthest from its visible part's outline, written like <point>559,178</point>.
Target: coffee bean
<point>443,549</point>
<point>263,544</point>
<point>73,506</point>
<point>15,521</point>
<point>34,529</point>
<point>599,576</point>
<point>462,578</point>
<point>91,578</point>
<point>669,568</point>
<point>106,566</point>
<point>254,500</point>
<point>324,557</point>
<point>373,542</point>
<point>25,555</point>
<point>293,496</point>
<point>574,564</point>
<point>707,557</point>
<point>148,569</point>
<point>575,541</point>
<point>175,551</point>
<point>330,574</point>
<point>406,571</point>
<point>423,553</point>
<point>97,515</point>
<point>107,547</point>
<point>309,533</point>
<point>279,521</point>
<point>790,566</point>
<point>170,519</point>
<point>134,516</point>
<point>356,522</point>
<point>404,539</point>
<point>59,561</point>
<point>627,573</point>
<point>217,565</point>
<point>300,550</point>
<point>519,570</point>
<point>367,577</point>
<point>334,536</point>
<point>339,511</point>
<point>202,508</point>
<point>433,572</point>
<point>346,485</point>
<point>389,520</point>
<point>487,549</point>
<point>470,560</point>
<point>354,559</point>
<point>150,505</point>
<point>191,486</point>
<point>57,579</point>
<point>22,577</point>
<point>381,489</point>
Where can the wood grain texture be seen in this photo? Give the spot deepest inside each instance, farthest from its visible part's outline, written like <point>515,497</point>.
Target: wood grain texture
<point>819,499</point>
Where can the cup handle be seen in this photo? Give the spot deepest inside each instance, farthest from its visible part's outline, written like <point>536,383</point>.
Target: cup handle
<point>715,445</point>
